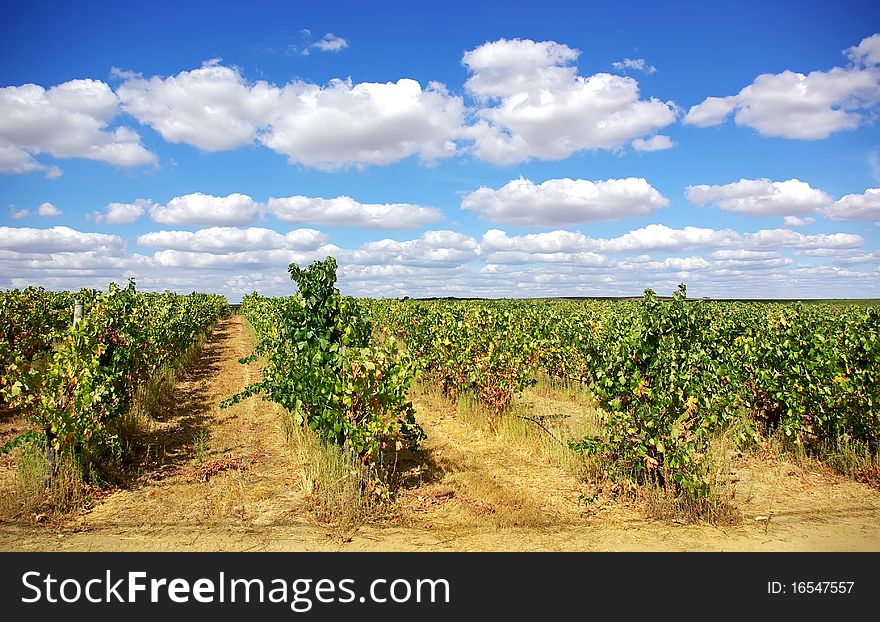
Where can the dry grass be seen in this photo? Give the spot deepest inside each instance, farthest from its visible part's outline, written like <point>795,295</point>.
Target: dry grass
<point>36,493</point>
<point>227,499</point>
<point>543,420</point>
<point>497,470</point>
<point>662,504</point>
<point>561,389</point>
<point>656,501</point>
<point>856,460</point>
<point>718,507</point>
<point>486,500</point>
<point>850,458</point>
<point>338,486</point>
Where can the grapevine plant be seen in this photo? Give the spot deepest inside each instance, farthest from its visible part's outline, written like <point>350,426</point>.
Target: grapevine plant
<point>653,387</point>
<point>33,319</point>
<point>322,367</point>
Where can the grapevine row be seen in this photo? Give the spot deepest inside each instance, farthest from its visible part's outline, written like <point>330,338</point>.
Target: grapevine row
<point>69,380</point>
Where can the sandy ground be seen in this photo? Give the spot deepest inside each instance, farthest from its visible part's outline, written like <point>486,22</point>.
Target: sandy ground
<point>229,480</point>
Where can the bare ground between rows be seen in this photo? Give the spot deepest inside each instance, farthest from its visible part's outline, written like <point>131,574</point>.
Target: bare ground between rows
<point>228,480</point>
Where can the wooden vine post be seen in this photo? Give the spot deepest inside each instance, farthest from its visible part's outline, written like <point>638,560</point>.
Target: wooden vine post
<point>51,454</point>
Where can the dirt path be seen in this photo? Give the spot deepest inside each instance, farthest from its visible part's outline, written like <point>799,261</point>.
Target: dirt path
<point>228,480</point>
<point>489,494</point>
<point>477,482</point>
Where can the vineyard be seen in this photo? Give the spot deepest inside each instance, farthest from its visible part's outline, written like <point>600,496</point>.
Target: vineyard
<point>668,375</point>
<point>660,383</point>
<point>71,377</point>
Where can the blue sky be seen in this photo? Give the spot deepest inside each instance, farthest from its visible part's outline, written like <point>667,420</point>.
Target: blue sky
<point>537,149</point>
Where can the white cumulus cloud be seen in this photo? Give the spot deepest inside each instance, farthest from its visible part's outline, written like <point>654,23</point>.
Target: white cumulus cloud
<point>562,247</point>
<point>797,221</point>
<point>803,106</point>
<point>656,237</point>
<point>235,261</point>
<point>345,211</point>
<point>535,105</point>
<point>123,213</point>
<point>761,197</point>
<point>58,239</point>
<point>865,206</point>
<point>327,127</point>
<point>560,241</point>
<point>206,209</point>
<point>229,264</point>
<point>212,108</point>
<point>433,248</point>
<point>639,64</point>
<point>17,161</point>
<point>343,124</point>
<point>561,202</point>
<point>219,240</point>
<point>328,43</point>
<point>777,238</point>
<point>48,210</point>
<point>655,143</point>
<point>867,52</point>
<point>70,120</point>
<point>749,259</point>
<point>18,214</point>
<point>713,111</point>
